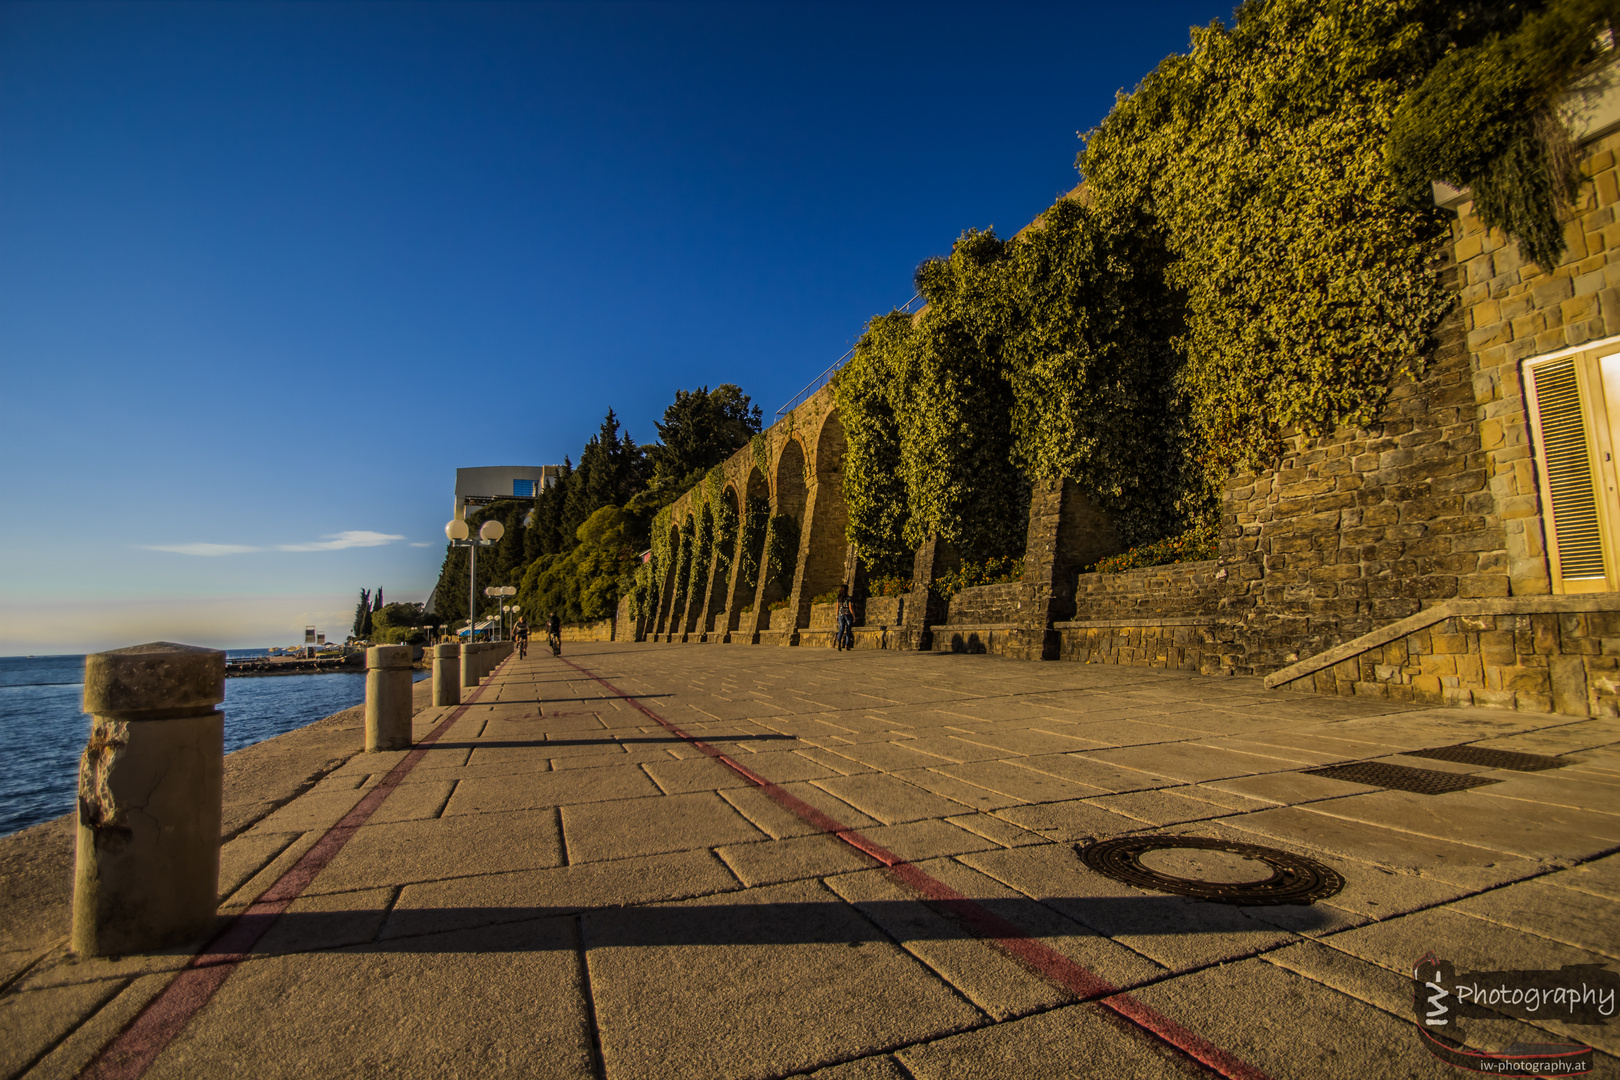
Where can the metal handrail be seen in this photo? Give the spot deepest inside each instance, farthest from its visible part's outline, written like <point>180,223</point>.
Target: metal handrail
<point>821,380</point>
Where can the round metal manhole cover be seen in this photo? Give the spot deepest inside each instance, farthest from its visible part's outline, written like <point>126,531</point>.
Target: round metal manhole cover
<point>1227,871</point>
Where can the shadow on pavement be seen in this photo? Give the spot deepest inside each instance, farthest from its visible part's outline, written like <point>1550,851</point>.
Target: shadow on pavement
<point>431,930</point>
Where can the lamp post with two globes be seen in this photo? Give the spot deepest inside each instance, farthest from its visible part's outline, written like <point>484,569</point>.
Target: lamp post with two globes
<point>500,593</point>
<point>490,532</point>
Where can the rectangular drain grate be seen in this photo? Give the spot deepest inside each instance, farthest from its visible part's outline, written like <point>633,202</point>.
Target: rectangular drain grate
<point>1401,778</point>
<point>1490,759</point>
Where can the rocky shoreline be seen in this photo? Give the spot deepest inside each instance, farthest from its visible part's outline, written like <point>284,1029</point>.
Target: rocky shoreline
<point>295,665</point>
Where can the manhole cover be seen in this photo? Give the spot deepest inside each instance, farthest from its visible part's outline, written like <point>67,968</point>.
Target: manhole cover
<point>1490,759</point>
<point>1401,778</point>
<point>1283,878</point>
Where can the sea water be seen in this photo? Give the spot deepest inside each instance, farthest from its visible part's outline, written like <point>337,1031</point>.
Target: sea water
<point>43,730</point>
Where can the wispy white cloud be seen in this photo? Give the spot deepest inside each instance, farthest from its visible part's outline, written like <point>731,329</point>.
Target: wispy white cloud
<point>420,543</point>
<point>338,541</point>
<point>353,538</point>
<point>202,549</point>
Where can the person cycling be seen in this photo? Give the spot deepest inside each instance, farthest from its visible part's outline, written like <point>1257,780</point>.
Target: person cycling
<point>554,634</point>
<point>520,634</point>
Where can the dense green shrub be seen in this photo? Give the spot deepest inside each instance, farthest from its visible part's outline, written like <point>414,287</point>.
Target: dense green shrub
<point>888,585</point>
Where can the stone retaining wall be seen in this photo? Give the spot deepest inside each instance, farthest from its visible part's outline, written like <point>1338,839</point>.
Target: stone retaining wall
<point>1535,654</point>
<point>984,604</point>
<point>1171,591</point>
<point>601,630</point>
<point>1188,644</point>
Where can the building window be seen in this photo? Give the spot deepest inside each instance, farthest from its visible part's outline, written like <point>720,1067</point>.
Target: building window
<point>523,488</point>
<point>1573,399</point>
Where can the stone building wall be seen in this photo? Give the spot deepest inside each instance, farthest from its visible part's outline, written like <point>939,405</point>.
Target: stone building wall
<point>1511,310</point>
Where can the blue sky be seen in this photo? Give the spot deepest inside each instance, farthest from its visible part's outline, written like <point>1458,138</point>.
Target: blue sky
<point>269,273</point>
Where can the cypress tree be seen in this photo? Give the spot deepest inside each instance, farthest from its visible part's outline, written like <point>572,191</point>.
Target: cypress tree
<point>360,614</point>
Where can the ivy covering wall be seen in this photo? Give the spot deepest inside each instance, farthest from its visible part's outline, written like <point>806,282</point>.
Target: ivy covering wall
<point>751,550</point>
<point>1249,255</point>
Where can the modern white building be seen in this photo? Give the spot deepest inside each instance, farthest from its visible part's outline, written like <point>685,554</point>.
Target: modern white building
<point>476,487</point>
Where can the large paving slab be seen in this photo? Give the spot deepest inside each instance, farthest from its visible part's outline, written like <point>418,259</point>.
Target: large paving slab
<point>563,886</point>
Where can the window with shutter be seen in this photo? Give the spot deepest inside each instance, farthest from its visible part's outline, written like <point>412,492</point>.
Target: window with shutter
<point>1570,396</point>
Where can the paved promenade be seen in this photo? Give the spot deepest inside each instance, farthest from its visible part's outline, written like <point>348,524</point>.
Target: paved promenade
<point>647,861</point>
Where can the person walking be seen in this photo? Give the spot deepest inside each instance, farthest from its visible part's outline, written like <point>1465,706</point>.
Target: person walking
<point>845,638</point>
<point>554,634</point>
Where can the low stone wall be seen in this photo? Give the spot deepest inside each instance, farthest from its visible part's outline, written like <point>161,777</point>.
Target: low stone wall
<point>601,630</point>
<point>1179,644</point>
<point>883,611</point>
<point>1177,590</point>
<point>984,604</point>
<point>823,616</point>
<point>995,639</point>
<point>1535,654</point>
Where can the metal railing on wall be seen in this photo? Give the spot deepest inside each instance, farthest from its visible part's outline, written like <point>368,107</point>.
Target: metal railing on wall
<point>826,376</point>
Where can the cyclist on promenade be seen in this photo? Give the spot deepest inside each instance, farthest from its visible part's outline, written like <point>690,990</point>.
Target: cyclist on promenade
<point>520,634</point>
<point>554,634</point>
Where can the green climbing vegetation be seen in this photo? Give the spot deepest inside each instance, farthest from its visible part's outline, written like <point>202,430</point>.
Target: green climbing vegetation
<point>725,535</point>
<point>782,550</point>
<point>1249,256</point>
<point>1485,118</point>
<point>753,542</point>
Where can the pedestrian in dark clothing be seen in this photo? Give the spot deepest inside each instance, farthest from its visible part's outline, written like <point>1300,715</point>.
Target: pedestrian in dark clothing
<point>845,638</point>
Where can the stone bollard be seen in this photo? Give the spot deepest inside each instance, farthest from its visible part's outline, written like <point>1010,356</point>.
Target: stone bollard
<point>469,665</point>
<point>388,698</point>
<point>150,783</point>
<point>447,675</point>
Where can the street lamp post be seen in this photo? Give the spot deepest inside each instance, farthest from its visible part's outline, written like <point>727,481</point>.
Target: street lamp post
<point>490,532</point>
<point>500,593</point>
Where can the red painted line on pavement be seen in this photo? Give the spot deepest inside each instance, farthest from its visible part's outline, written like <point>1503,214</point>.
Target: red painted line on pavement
<point>1009,939</point>
<point>128,1054</point>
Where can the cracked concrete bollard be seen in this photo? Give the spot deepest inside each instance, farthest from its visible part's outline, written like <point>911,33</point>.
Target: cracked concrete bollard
<point>447,674</point>
<point>469,665</point>
<point>147,869</point>
<point>388,698</point>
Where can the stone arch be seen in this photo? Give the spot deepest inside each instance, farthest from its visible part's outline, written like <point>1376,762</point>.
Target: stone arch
<point>824,524</point>
<point>666,591</point>
<point>826,546</point>
<point>683,570</point>
<point>724,561</point>
<point>750,552</point>
<point>789,491</point>
<point>792,474</point>
<point>699,579</point>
